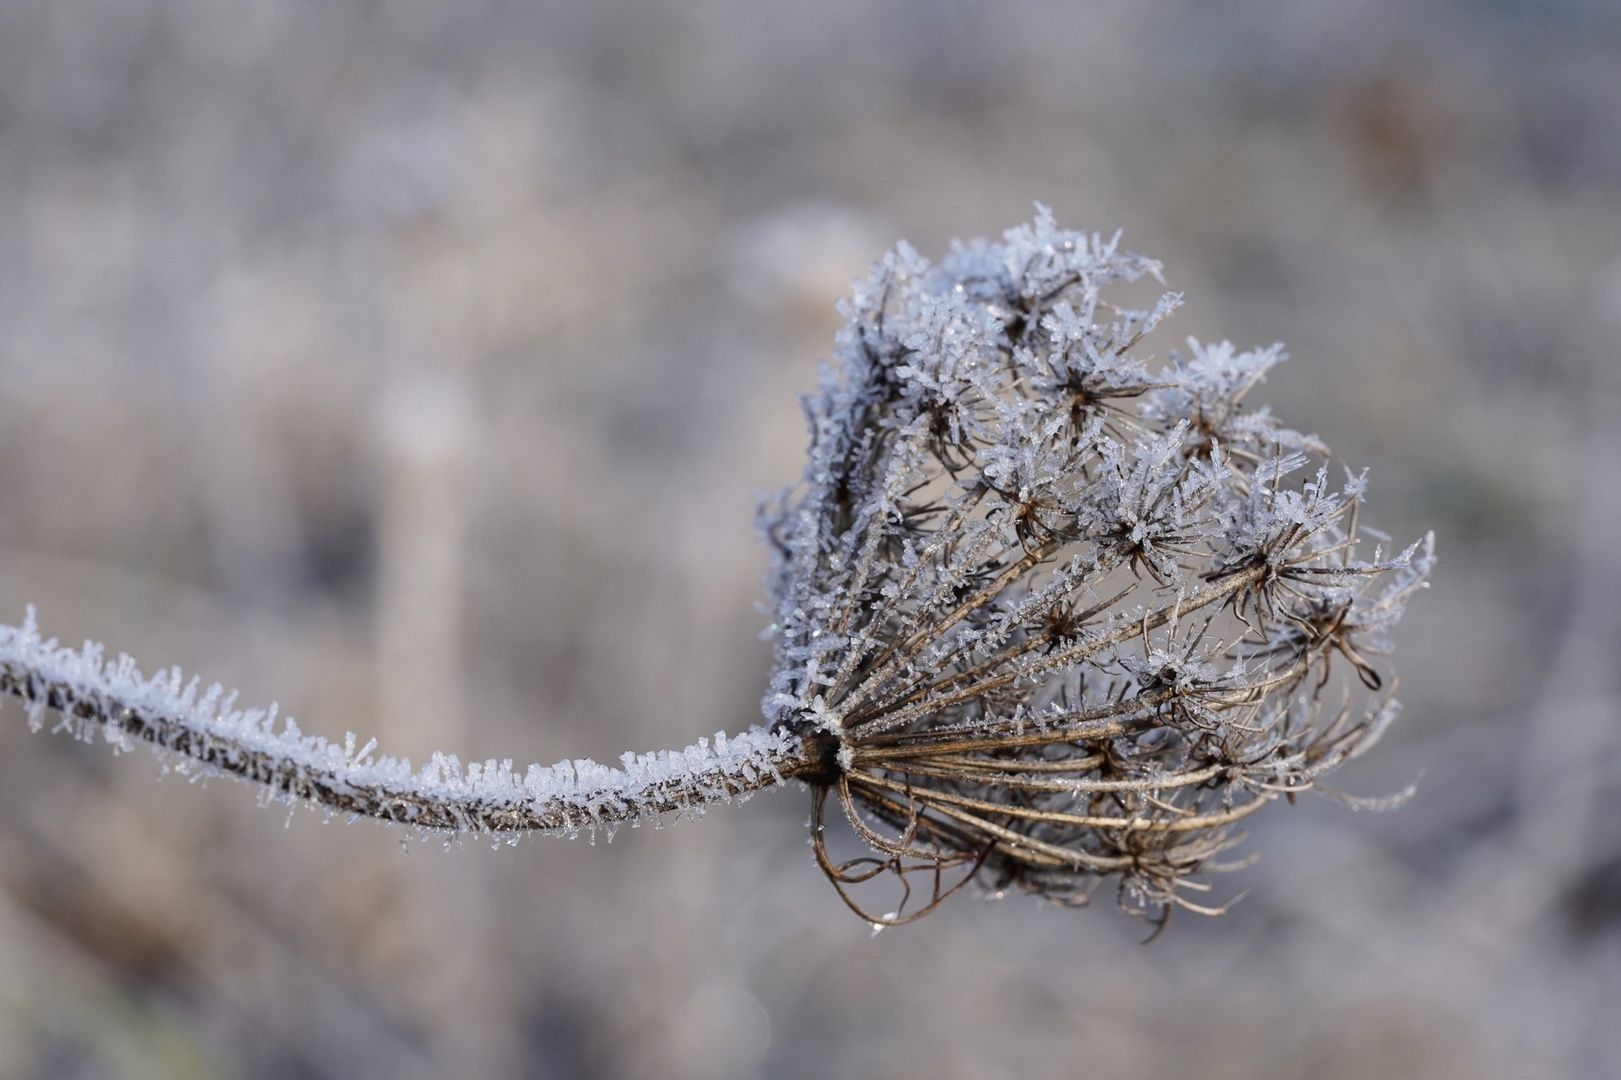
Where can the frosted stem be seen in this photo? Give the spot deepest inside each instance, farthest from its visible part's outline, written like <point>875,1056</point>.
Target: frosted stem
<point>205,730</point>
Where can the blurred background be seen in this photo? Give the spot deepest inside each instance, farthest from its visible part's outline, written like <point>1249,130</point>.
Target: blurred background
<point>418,365</point>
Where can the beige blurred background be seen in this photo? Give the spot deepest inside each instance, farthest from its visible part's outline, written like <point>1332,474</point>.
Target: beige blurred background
<point>418,365</point>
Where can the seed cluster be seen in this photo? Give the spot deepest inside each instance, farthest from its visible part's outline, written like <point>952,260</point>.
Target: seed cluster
<point>1056,614</point>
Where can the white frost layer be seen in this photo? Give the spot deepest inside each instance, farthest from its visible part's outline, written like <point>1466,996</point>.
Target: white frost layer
<point>572,794</point>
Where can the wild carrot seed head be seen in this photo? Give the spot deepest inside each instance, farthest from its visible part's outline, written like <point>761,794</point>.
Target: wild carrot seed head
<point>1058,613</point>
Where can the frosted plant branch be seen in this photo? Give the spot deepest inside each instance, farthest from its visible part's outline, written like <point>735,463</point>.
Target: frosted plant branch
<point>1047,613</point>
<point>205,730</point>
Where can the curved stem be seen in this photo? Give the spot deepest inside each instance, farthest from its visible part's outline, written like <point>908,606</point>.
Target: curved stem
<point>441,797</point>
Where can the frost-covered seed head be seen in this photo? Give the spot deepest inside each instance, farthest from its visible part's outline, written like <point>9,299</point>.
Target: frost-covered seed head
<point>1059,615</point>
<point>1047,615</point>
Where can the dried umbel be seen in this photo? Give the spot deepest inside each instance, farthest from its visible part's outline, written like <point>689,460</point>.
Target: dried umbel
<point>1057,615</point>
<point>1045,615</point>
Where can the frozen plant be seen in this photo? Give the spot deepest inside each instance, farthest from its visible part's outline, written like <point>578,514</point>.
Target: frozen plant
<point>1046,614</point>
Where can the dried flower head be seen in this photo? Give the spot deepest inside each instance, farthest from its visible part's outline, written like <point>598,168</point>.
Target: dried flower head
<point>1052,615</point>
<point>1045,615</point>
